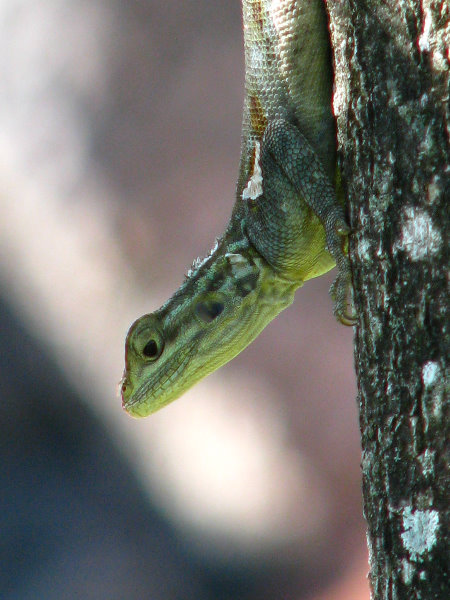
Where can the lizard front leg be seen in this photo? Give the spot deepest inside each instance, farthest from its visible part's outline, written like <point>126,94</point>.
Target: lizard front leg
<point>294,219</point>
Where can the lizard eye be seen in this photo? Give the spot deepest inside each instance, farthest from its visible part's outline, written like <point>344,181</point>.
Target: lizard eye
<point>208,310</point>
<point>152,349</point>
<point>146,338</point>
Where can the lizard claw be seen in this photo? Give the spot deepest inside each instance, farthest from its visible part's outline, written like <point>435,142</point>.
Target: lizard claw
<point>342,228</point>
<point>341,291</point>
<point>349,319</point>
<point>337,232</point>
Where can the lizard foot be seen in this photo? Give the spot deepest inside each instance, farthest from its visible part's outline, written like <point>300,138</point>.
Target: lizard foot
<point>341,292</point>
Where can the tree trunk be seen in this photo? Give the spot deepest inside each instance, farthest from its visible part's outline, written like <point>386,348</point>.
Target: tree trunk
<point>392,107</point>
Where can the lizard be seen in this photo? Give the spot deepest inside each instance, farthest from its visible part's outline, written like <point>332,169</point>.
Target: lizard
<point>287,223</point>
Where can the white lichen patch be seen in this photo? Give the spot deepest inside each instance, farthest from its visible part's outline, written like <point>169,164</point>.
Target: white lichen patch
<point>434,38</point>
<point>364,250</point>
<point>434,190</point>
<point>426,460</point>
<point>434,383</point>
<point>430,373</point>
<point>424,39</point>
<point>433,401</point>
<point>418,237</point>
<point>407,571</point>
<point>420,529</point>
<point>370,549</point>
<point>254,187</point>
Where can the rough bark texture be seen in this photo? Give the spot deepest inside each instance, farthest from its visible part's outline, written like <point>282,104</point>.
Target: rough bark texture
<point>392,105</point>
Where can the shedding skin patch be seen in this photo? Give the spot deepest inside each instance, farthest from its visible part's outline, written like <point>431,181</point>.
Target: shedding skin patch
<point>254,187</point>
<point>198,262</point>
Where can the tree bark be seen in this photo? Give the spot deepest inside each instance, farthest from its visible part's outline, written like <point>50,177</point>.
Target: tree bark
<point>391,101</point>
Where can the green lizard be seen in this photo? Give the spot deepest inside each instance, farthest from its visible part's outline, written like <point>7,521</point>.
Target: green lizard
<point>286,226</point>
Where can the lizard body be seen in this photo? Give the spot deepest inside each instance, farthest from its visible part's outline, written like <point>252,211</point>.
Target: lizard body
<point>286,226</point>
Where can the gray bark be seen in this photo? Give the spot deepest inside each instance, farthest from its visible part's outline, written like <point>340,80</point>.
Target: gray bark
<point>392,108</point>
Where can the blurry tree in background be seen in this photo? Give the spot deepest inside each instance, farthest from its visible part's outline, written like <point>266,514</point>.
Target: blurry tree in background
<point>392,93</point>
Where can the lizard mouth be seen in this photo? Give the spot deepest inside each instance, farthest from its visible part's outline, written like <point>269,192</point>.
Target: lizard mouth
<point>139,400</point>
<point>124,389</point>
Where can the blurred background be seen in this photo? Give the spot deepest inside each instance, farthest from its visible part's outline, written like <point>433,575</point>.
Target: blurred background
<point>119,149</point>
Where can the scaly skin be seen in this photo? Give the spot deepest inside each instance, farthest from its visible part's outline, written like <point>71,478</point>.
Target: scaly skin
<point>286,226</point>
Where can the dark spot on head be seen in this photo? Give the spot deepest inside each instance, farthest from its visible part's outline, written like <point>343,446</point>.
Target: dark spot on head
<point>215,284</point>
<point>209,310</point>
<point>247,284</point>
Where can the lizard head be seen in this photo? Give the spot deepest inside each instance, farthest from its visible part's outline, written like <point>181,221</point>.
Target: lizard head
<point>215,314</point>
